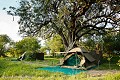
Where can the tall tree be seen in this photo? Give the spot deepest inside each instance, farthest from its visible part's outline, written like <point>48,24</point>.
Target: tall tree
<point>4,39</point>
<point>55,44</point>
<point>71,19</point>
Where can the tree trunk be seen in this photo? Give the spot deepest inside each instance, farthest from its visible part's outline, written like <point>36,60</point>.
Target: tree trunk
<point>70,43</point>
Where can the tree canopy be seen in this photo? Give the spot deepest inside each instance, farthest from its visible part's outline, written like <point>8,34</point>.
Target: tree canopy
<point>112,43</point>
<point>28,44</point>
<point>71,19</point>
<point>55,44</point>
<point>4,39</point>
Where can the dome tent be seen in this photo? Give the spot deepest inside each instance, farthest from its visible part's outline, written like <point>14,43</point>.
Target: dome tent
<point>80,58</point>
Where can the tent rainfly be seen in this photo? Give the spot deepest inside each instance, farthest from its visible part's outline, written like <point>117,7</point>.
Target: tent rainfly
<point>80,58</point>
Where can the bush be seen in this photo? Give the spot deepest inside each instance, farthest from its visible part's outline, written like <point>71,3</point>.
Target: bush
<point>112,77</point>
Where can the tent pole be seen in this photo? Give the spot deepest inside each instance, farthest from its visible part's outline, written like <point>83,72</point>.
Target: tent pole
<point>76,58</point>
<point>76,61</point>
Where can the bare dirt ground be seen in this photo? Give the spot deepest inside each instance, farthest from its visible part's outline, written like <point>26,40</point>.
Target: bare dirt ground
<point>98,73</point>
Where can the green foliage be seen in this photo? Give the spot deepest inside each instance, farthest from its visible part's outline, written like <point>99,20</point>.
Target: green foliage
<point>88,42</point>
<point>12,52</point>
<point>109,63</point>
<point>108,43</point>
<point>112,42</point>
<point>43,49</point>
<point>28,44</point>
<point>55,44</point>
<point>71,19</point>
<point>4,39</point>
<point>118,63</point>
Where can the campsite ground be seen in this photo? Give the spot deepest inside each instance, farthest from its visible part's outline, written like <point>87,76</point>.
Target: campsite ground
<point>26,70</point>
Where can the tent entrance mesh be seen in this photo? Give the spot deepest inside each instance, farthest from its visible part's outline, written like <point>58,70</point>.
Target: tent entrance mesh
<point>74,60</point>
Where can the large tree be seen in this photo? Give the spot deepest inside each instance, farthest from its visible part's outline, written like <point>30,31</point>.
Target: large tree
<point>71,19</point>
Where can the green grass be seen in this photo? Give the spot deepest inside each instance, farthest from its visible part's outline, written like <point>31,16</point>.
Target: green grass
<point>23,68</point>
<point>26,70</point>
<point>112,65</point>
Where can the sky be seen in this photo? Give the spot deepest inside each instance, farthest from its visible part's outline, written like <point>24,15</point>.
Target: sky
<point>7,25</point>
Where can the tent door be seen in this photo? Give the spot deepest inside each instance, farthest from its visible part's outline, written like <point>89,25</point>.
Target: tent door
<point>74,60</point>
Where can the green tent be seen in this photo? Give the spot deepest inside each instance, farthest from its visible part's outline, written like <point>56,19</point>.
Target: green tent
<point>79,58</point>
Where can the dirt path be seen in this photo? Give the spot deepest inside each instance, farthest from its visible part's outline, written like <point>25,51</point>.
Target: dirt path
<point>98,73</point>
